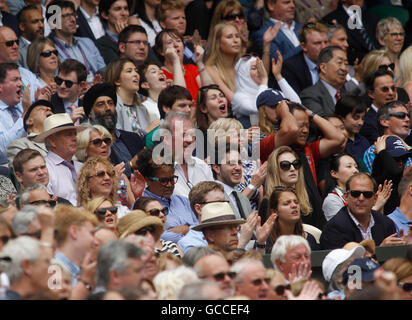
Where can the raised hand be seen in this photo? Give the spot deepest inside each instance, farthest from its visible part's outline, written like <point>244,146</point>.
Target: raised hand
<point>380,144</point>
<point>246,229</point>
<point>393,240</point>
<point>310,291</point>
<point>299,272</point>
<point>171,53</point>
<point>271,33</point>
<point>263,232</point>
<point>259,174</point>
<point>383,193</point>
<point>137,184</point>
<point>277,66</point>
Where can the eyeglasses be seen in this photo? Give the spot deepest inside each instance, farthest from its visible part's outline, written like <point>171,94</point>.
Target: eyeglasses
<point>387,89</point>
<point>165,181</point>
<point>156,212</point>
<point>387,66</point>
<point>221,275</point>
<point>48,53</point>
<point>285,165</point>
<point>68,83</point>
<point>102,174</point>
<point>68,15</point>
<point>98,142</point>
<point>280,289</point>
<point>143,231</point>
<point>400,115</point>
<point>138,42</point>
<point>4,239</point>
<point>357,193</point>
<point>10,43</point>
<point>258,282</point>
<point>48,203</point>
<point>233,16</point>
<point>102,211</point>
<point>406,286</point>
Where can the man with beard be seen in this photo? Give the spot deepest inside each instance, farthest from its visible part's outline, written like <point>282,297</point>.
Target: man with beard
<point>99,105</point>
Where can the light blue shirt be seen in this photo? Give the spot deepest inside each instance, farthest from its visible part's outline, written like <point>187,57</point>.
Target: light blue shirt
<point>332,91</point>
<point>312,69</point>
<point>192,239</point>
<point>92,54</point>
<point>9,130</point>
<point>74,269</point>
<point>401,222</point>
<point>179,214</point>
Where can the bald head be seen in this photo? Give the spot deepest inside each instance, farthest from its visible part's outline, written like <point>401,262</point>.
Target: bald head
<point>9,50</point>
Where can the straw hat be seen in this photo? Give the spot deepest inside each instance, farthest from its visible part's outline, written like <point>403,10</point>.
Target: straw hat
<point>136,220</point>
<point>217,214</point>
<point>56,123</point>
<point>368,244</point>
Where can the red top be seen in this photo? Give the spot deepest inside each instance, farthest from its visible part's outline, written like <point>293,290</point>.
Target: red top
<point>191,72</point>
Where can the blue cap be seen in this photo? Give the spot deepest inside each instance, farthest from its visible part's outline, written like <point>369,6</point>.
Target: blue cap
<point>396,148</point>
<point>367,267</point>
<point>269,97</point>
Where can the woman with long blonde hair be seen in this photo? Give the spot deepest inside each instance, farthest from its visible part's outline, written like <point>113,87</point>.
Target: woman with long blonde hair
<point>224,50</point>
<point>405,65</point>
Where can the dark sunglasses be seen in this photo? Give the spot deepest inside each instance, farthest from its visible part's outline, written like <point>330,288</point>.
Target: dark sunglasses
<point>258,282</point>
<point>59,81</point>
<point>10,43</point>
<point>387,66</point>
<point>156,212</point>
<point>48,53</point>
<point>102,211</point>
<point>233,16</point>
<point>4,239</point>
<point>406,286</point>
<point>165,181</point>
<point>280,289</point>
<point>143,231</point>
<point>386,89</point>
<point>98,142</point>
<point>400,115</point>
<point>285,165</point>
<point>102,174</point>
<point>48,203</point>
<point>357,193</point>
<point>221,275</point>
<point>211,86</point>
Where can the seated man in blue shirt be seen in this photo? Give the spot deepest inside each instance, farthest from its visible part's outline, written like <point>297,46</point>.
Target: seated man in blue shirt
<point>402,216</point>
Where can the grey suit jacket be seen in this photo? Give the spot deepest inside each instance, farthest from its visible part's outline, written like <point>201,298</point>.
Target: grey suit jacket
<point>17,145</point>
<point>23,46</point>
<point>247,209</point>
<point>318,99</point>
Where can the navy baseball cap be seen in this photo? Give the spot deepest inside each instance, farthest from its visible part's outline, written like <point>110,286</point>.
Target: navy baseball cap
<point>269,97</point>
<point>367,267</point>
<point>31,108</point>
<point>396,148</point>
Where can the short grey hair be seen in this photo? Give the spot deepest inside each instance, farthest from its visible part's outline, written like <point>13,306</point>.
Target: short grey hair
<point>332,29</point>
<point>196,290</point>
<point>167,123</point>
<point>25,195</point>
<point>113,255</point>
<point>20,249</point>
<point>385,25</point>
<point>83,139</point>
<point>285,243</point>
<point>194,254</point>
<point>239,266</point>
<point>23,218</point>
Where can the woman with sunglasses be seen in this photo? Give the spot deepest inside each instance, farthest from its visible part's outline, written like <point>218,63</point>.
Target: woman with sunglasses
<point>43,61</point>
<point>105,211</point>
<point>277,285</point>
<point>97,178</point>
<point>96,141</point>
<point>284,203</point>
<point>152,207</point>
<point>402,268</point>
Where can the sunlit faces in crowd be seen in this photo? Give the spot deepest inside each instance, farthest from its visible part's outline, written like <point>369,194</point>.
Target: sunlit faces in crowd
<point>230,171</point>
<point>384,91</point>
<point>154,208</point>
<point>288,208</point>
<point>339,39</point>
<point>230,42</point>
<point>100,180</point>
<point>335,70</point>
<point>33,25</point>
<point>398,121</point>
<point>34,171</point>
<point>136,47</point>
<point>129,78</point>
<point>11,88</point>
<point>346,168</point>
<point>49,59</point>
<point>215,106</point>
<point>68,85</point>
<point>64,143</point>
<point>298,255</point>
<point>175,19</point>
<point>171,40</point>
<point>155,79</point>
<point>9,45</point>
<point>361,196</point>
<point>117,14</point>
<point>99,146</point>
<point>289,168</point>
<point>107,214</point>
<point>223,236</point>
<point>163,182</point>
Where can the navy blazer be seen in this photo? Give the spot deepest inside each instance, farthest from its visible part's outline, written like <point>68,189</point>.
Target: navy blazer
<point>10,21</point>
<point>83,27</point>
<point>296,71</point>
<point>370,126</point>
<point>341,229</point>
<point>58,104</point>
<point>281,42</point>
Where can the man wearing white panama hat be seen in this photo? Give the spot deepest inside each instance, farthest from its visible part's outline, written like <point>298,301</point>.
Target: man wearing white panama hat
<point>60,137</point>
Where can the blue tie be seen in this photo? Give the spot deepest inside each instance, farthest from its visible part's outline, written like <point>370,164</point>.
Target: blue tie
<point>70,165</point>
<point>13,113</point>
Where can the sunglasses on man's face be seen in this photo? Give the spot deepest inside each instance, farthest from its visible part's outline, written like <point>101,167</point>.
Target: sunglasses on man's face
<point>102,211</point>
<point>10,43</point>
<point>47,203</point>
<point>357,193</point>
<point>143,231</point>
<point>285,165</point>
<point>221,275</point>
<point>59,81</point>
<point>280,289</point>
<point>98,142</point>
<point>48,53</point>
<point>156,212</point>
<point>400,115</point>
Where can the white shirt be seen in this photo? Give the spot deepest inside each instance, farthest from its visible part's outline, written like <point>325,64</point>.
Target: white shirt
<point>288,31</point>
<point>151,33</point>
<point>152,109</point>
<point>366,234</point>
<point>197,171</point>
<point>95,23</point>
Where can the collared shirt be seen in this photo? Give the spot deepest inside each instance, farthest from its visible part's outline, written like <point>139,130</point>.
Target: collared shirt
<point>152,109</point>
<point>313,69</point>
<point>60,178</point>
<point>401,222</point>
<point>94,22</point>
<point>288,31</point>
<point>9,130</point>
<point>189,54</point>
<point>197,171</point>
<point>228,191</point>
<point>74,269</point>
<point>192,239</point>
<point>67,104</point>
<point>374,108</point>
<point>113,36</point>
<point>179,214</point>
<point>366,234</point>
<point>90,56</point>
<point>332,91</point>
